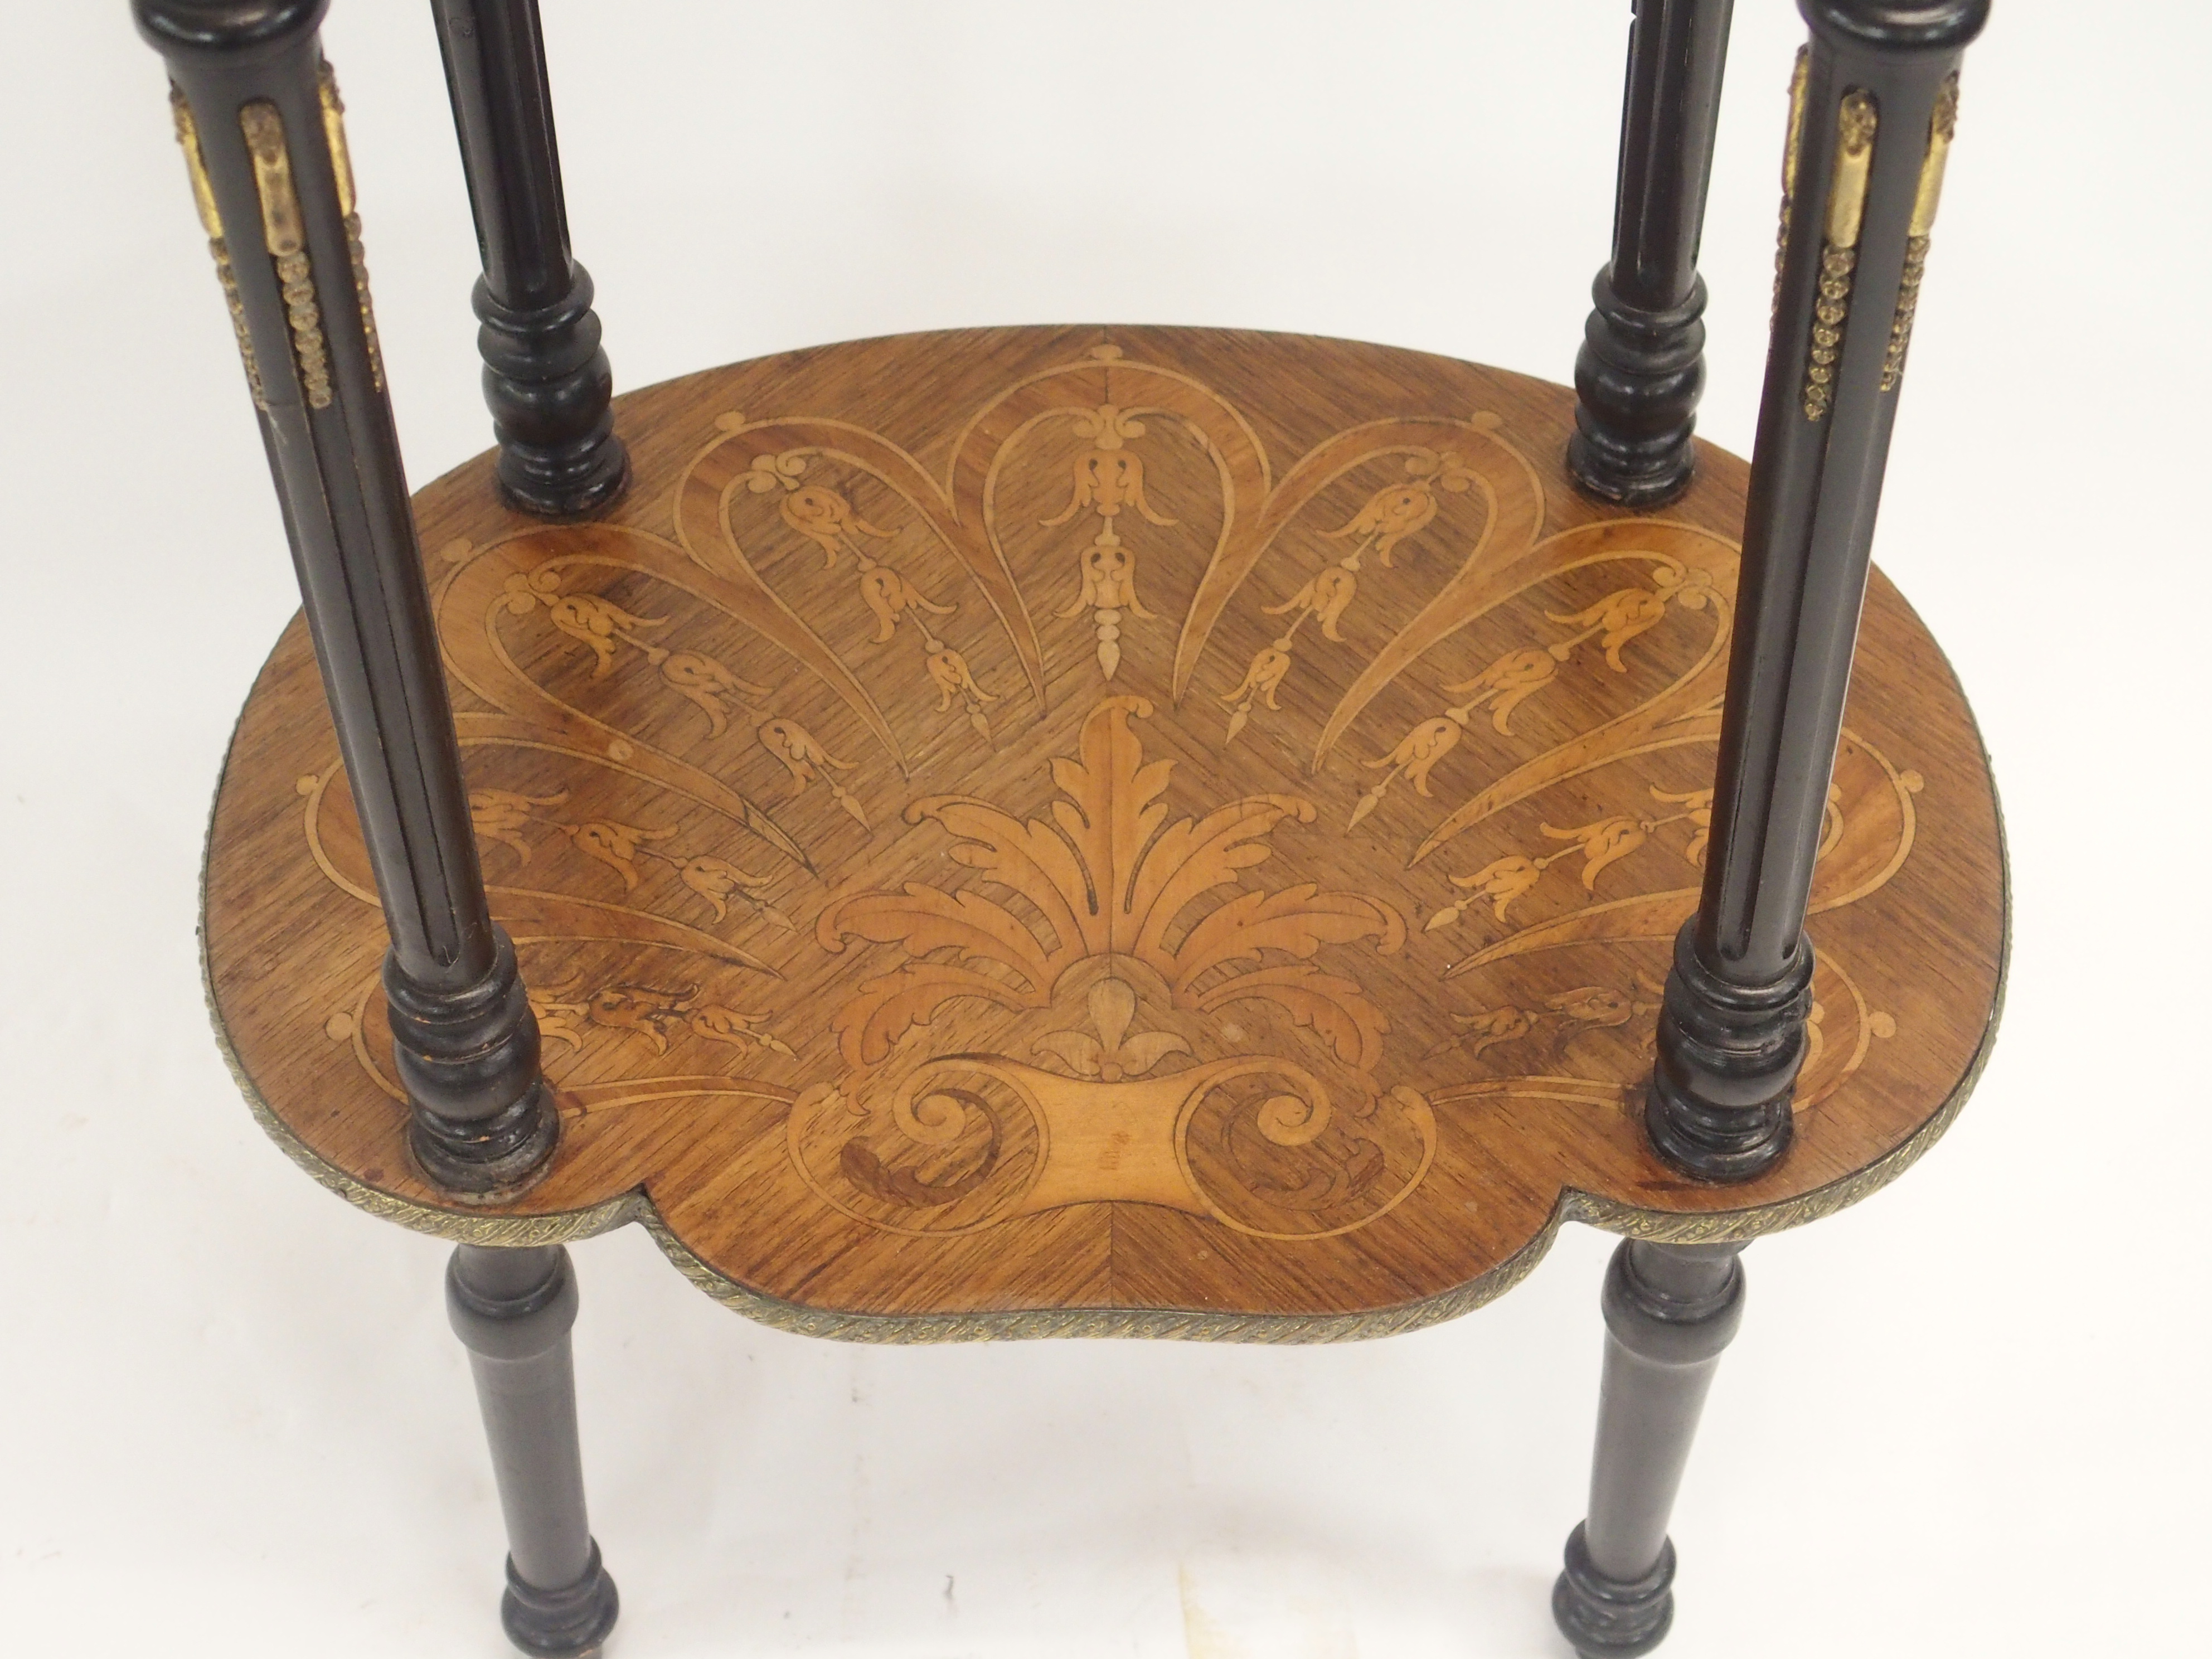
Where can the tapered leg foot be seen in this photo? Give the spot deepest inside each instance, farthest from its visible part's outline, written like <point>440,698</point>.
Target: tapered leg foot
<point>513,1310</point>
<point>1669,1310</point>
<point>560,1624</point>
<point>1612,1618</point>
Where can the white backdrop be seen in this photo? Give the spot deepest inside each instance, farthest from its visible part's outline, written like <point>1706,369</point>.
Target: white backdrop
<point>1963,1418</point>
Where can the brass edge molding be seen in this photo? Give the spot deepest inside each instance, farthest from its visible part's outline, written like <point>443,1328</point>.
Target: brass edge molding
<point>1156,1324</point>
<point>1179,1325</point>
<point>511,1231</point>
<point>517,1232</point>
<point>1856,118</point>
<point>188,140</point>
<point>285,237</point>
<point>1172,1324</point>
<point>1942,127</point>
<point>1744,1226</point>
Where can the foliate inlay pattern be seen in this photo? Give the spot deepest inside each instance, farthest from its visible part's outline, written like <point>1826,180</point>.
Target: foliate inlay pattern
<point>1392,514</point>
<point>1120,891</point>
<point>827,519</point>
<point>1109,477</point>
<point>890,936</point>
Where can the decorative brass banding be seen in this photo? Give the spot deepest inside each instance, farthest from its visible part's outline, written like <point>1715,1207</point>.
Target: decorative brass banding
<point>1943,123</point>
<point>188,139</point>
<point>1856,120</point>
<point>285,238</point>
<point>1792,146</point>
<point>342,172</point>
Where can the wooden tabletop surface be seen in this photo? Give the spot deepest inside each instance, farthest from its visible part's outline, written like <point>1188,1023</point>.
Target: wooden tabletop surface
<point>1110,830</point>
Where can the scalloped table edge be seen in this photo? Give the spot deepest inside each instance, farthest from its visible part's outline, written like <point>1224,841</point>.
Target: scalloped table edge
<point>1194,1325</point>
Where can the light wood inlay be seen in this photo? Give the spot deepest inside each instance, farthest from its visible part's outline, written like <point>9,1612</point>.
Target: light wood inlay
<point>1150,831</point>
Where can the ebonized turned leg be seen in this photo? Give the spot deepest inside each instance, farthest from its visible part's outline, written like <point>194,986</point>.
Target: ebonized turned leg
<point>1642,365</point>
<point>1873,106</point>
<point>1669,1310</point>
<point>513,1310</point>
<point>546,379</point>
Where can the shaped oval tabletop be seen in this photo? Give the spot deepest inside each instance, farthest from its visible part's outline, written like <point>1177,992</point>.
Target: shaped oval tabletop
<point>1113,831</point>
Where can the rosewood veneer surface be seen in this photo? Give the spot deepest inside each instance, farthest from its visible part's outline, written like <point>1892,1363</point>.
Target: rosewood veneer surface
<point>1107,830</point>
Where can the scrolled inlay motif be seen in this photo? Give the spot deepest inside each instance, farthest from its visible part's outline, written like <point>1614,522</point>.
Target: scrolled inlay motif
<point>897,958</point>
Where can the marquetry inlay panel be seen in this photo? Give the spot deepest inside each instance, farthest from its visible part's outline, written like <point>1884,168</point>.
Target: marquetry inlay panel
<point>1105,819</point>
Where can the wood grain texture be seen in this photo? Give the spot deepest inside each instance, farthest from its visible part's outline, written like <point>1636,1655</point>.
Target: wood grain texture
<point>1140,830</point>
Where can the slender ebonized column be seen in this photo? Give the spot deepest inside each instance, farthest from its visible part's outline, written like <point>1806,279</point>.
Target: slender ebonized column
<point>513,1310</point>
<point>1669,1310</point>
<point>258,116</point>
<point>1873,109</point>
<point>1641,364</point>
<point>545,377</point>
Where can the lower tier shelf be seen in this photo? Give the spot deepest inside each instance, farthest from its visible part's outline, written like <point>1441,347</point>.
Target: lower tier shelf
<point>1105,831</point>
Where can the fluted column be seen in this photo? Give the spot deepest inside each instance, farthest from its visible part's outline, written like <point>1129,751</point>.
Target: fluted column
<point>258,116</point>
<point>1873,109</point>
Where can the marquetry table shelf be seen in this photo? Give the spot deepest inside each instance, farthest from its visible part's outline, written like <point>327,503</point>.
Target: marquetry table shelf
<point>1105,830</point>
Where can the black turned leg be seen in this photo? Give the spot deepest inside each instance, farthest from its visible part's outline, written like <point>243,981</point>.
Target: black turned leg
<point>545,378</point>
<point>1872,106</point>
<point>258,116</point>
<point>1669,1310</point>
<point>513,1310</point>
<point>1641,364</point>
